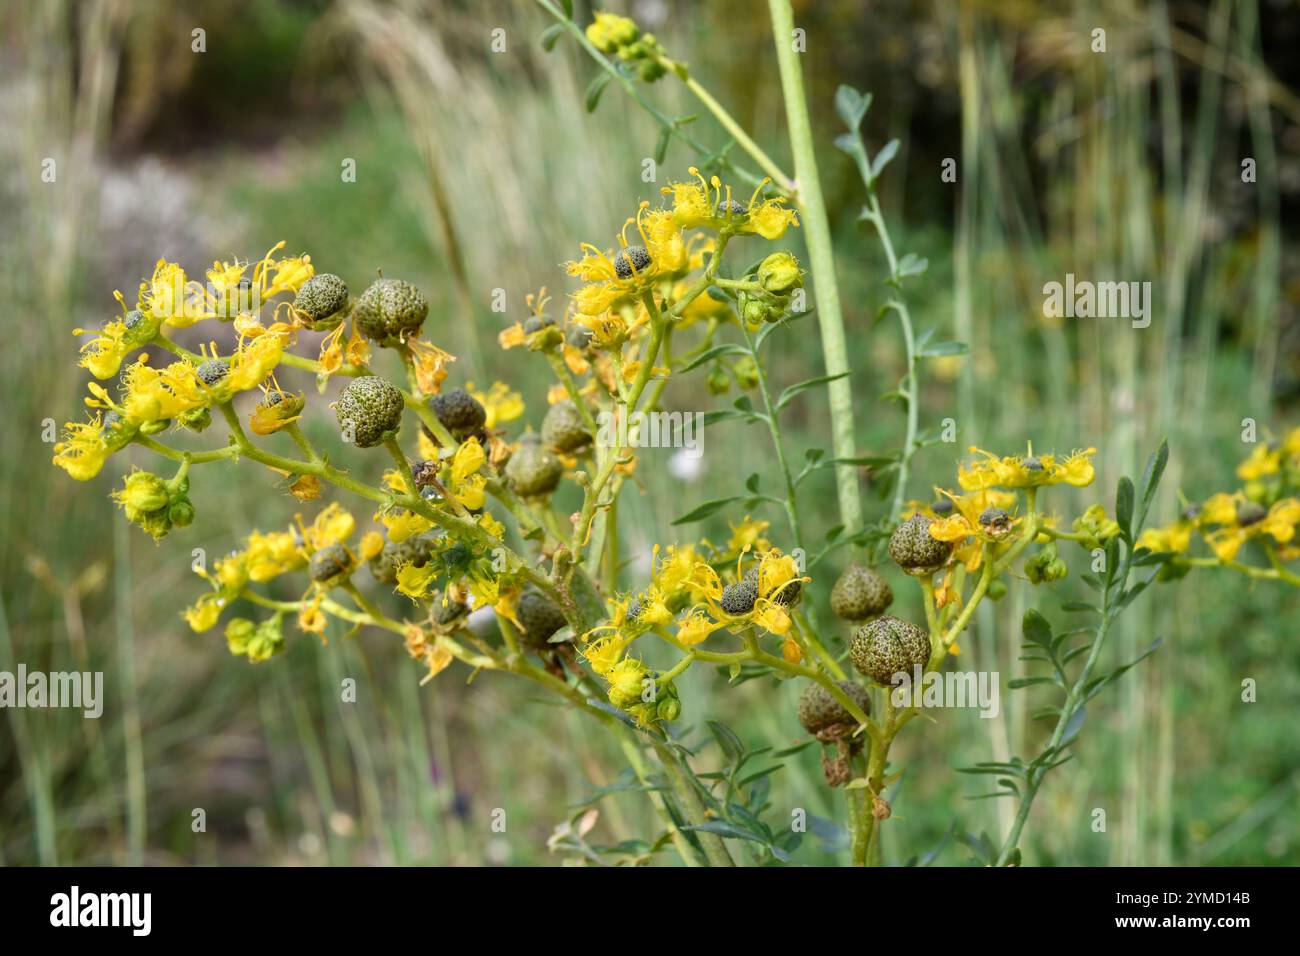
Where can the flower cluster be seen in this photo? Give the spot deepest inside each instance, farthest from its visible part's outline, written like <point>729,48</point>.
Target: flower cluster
<point>1264,510</point>
<point>621,37</point>
<point>149,399</point>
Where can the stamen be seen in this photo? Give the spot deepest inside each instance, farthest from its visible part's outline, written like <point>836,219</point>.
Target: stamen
<point>597,254</point>
<point>640,228</point>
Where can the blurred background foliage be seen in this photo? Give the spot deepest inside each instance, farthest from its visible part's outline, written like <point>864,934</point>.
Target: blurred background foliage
<point>480,170</point>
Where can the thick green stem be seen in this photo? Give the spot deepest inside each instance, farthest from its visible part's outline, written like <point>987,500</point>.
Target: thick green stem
<point>692,806</point>
<point>822,261</point>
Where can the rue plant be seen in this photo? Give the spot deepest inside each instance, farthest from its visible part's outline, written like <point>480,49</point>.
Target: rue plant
<point>697,281</point>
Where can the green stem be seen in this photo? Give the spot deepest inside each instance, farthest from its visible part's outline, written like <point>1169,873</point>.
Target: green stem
<point>296,433</point>
<point>175,454</point>
<point>683,845</point>
<point>869,851</point>
<point>404,467</point>
<point>629,86</point>
<point>774,430</point>
<point>742,138</point>
<point>692,806</point>
<point>822,260</point>
<point>1034,780</point>
<point>566,377</point>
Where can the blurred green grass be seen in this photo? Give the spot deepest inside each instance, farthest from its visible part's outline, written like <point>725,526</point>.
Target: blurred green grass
<point>288,774</point>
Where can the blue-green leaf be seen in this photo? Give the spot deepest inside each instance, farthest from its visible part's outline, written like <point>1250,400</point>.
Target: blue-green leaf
<point>788,394</point>
<point>551,35</point>
<point>597,86</point>
<point>700,512</point>
<point>851,105</point>
<point>887,152</point>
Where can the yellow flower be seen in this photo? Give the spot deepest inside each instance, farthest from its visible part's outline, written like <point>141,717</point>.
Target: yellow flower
<point>253,361</point>
<point>401,524</point>
<point>710,205</point>
<point>501,404</point>
<point>312,620</point>
<point>695,627</point>
<point>982,515</point>
<point>1077,468</point>
<point>700,308</point>
<point>231,573</point>
<point>512,336</point>
<point>289,274</point>
<point>502,597</point>
<point>277,410</point>
<point>608,32</point>
<point>372,542</point>
<point>306,488</point>
<point>704,583</point>
<point>1176,537</point>
<point>1279,522</point>
<point>748,536</point>
<point>491,525</point>
<point>674,573</point>
<point>438,658</point>
<point>84,448</point>
<point>226,275</point>
<point>777,580</point>
<point>771,617</point>
<point>575,360</point>
<point>603,653</point>
<point>334,525</point>
<point>168,296</point>
<point>151,394</point>
<point>776,571</point>
<point>630,273</point>
<point>1265,460</point>
<point>103,355</point>
<point>415,582</point>
<point>203,614</point>
<point>627,682</point>
<point>1221,509</point>
<point>654,607</point>
<point>416,640</point>
<point>267,556</point>
<point>1030,471</point>
<point>430,364</point>
<point>465,483</point>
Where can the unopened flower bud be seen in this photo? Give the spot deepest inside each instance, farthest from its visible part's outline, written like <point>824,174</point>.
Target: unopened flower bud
<point>1095,527</point>
<point>609,31</point>
<point>238,633</point>
<point>1046,566</point>
<point>746,372</point>
<point>780,274</point>
<point>144,493</point>
<point>181,513</point>
<point>718,382</point>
